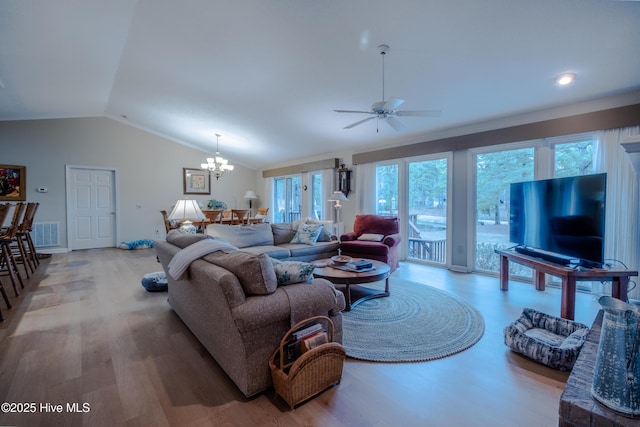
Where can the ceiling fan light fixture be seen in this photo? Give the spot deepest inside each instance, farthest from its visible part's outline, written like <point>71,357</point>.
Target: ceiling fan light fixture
<point>565,79</point>
<point>387,109</point>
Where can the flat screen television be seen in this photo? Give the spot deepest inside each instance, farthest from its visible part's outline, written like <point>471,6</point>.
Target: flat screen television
<point>563,216</point>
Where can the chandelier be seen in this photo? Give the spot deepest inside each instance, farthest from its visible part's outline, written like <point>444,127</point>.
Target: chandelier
<point>217,166</point>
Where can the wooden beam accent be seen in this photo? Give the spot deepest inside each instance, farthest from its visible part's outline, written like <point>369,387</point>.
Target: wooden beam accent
<point>303,167</point>
<point>588,122</point>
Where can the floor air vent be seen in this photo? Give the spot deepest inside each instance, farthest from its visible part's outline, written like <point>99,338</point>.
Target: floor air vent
<point>45,234</point>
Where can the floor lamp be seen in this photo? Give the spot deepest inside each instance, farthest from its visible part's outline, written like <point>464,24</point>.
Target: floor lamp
<point>250,195</point>
<point>338,196</point>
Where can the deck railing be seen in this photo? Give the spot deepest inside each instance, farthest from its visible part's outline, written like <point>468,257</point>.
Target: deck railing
<point>427,250</point>
<point>289,217</point>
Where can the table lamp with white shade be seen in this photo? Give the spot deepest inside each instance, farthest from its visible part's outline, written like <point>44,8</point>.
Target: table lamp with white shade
<point>185,211</point>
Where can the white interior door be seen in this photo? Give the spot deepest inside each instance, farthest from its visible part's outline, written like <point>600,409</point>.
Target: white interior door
<point>91,220</point>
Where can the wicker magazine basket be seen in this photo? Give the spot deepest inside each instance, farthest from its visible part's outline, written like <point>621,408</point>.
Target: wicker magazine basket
<point>312,372</point>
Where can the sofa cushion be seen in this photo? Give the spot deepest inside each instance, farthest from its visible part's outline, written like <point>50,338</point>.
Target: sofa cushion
<point>273,251</point>
<point>298,250</point>
<point>371,237</point>
<point>255,272</point>
<point>307,234</point>
<point>182,240</point>
<point>364,247</point>
<point>290,272</point>
<point>242,236</point>
<point>282,233</point>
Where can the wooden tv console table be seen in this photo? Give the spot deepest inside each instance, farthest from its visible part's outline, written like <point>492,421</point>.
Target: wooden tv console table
<point>569,276</point>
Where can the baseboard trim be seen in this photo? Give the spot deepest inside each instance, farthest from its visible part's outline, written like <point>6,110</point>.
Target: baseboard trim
<point>52,250</point>
<point>460,269</point>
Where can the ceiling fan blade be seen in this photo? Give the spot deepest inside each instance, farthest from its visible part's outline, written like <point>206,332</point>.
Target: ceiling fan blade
<point>352,111</point>
<point>396,124</point>
<point>359,122</point>
<point>420,113</point>
<point>392,104</point>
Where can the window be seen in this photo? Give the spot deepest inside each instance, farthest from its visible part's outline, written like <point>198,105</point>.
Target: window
<point>287,198</point>
<point>427,210</point>
<point>495,171</point>
<point>555,157</point>
<point>573,158</point>
<point>387,189</point>
<point>316,195</point>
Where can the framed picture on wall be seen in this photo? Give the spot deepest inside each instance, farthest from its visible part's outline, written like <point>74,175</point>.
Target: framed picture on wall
<point>196,181</point>
<point>13,183</point>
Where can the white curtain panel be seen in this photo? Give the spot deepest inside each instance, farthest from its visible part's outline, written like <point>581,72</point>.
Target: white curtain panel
<point>622,233</point>
<point>365,188</point>
<point>268,192</point>
<point>328,184</point>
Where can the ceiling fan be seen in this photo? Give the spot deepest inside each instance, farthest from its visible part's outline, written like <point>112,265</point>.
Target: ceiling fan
<point>388,110</point>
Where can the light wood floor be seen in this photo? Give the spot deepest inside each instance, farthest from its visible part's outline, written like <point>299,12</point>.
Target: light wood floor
<point>85,331</point>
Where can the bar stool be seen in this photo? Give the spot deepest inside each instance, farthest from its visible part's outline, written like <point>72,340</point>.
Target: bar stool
<point>7,260</point>
<point>20,247</point>
<point>4,210</point>
<point>30,245</point>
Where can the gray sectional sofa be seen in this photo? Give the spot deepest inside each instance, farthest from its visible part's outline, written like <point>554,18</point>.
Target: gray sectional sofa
<point>232,302</point>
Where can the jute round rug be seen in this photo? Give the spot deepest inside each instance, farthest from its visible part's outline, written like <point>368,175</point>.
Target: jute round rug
<point>415,323</point>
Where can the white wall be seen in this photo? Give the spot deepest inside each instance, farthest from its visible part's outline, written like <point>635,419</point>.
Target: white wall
<point>149,169</point>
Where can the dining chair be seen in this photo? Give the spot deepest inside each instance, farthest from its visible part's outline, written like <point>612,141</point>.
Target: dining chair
<point>167,223</point>
<point>240,216</point>
<point>214,215</point>
<point>8,265</point>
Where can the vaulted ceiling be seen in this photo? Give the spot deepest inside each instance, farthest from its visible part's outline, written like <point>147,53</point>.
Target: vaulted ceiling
<point>267,74</point>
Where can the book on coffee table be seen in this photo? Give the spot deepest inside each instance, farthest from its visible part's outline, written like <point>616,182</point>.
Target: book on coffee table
<point>360,265</point>
<point>349,267</point>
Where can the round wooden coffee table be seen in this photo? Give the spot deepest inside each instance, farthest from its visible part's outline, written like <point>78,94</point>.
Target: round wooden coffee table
<point>348,278</point>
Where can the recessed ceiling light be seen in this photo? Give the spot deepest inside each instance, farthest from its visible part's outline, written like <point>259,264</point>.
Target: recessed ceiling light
<point>565,79</point>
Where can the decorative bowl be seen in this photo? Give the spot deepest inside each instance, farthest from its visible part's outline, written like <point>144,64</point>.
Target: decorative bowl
<point>341,259</point>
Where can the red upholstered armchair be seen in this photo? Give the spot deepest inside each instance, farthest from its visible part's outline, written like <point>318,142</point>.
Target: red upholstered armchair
<point>373,237</point>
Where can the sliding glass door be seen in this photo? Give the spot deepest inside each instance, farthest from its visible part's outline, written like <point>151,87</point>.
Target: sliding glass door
<point>387,189</point>
<point>416,191</point>
<point>427,210</point>
<point>287,198</point>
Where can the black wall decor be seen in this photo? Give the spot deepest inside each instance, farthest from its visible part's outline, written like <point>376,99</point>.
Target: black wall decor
<point>344,180</point>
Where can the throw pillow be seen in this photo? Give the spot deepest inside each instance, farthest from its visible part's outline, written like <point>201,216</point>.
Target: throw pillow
<point>282,233</point>
<point>326,235</point>
<point>371,237</point>
<point>255,272</point>
<point>307,234</point>
<point>182,240</point>
<point>290,272</point>
<point>298,222</point>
